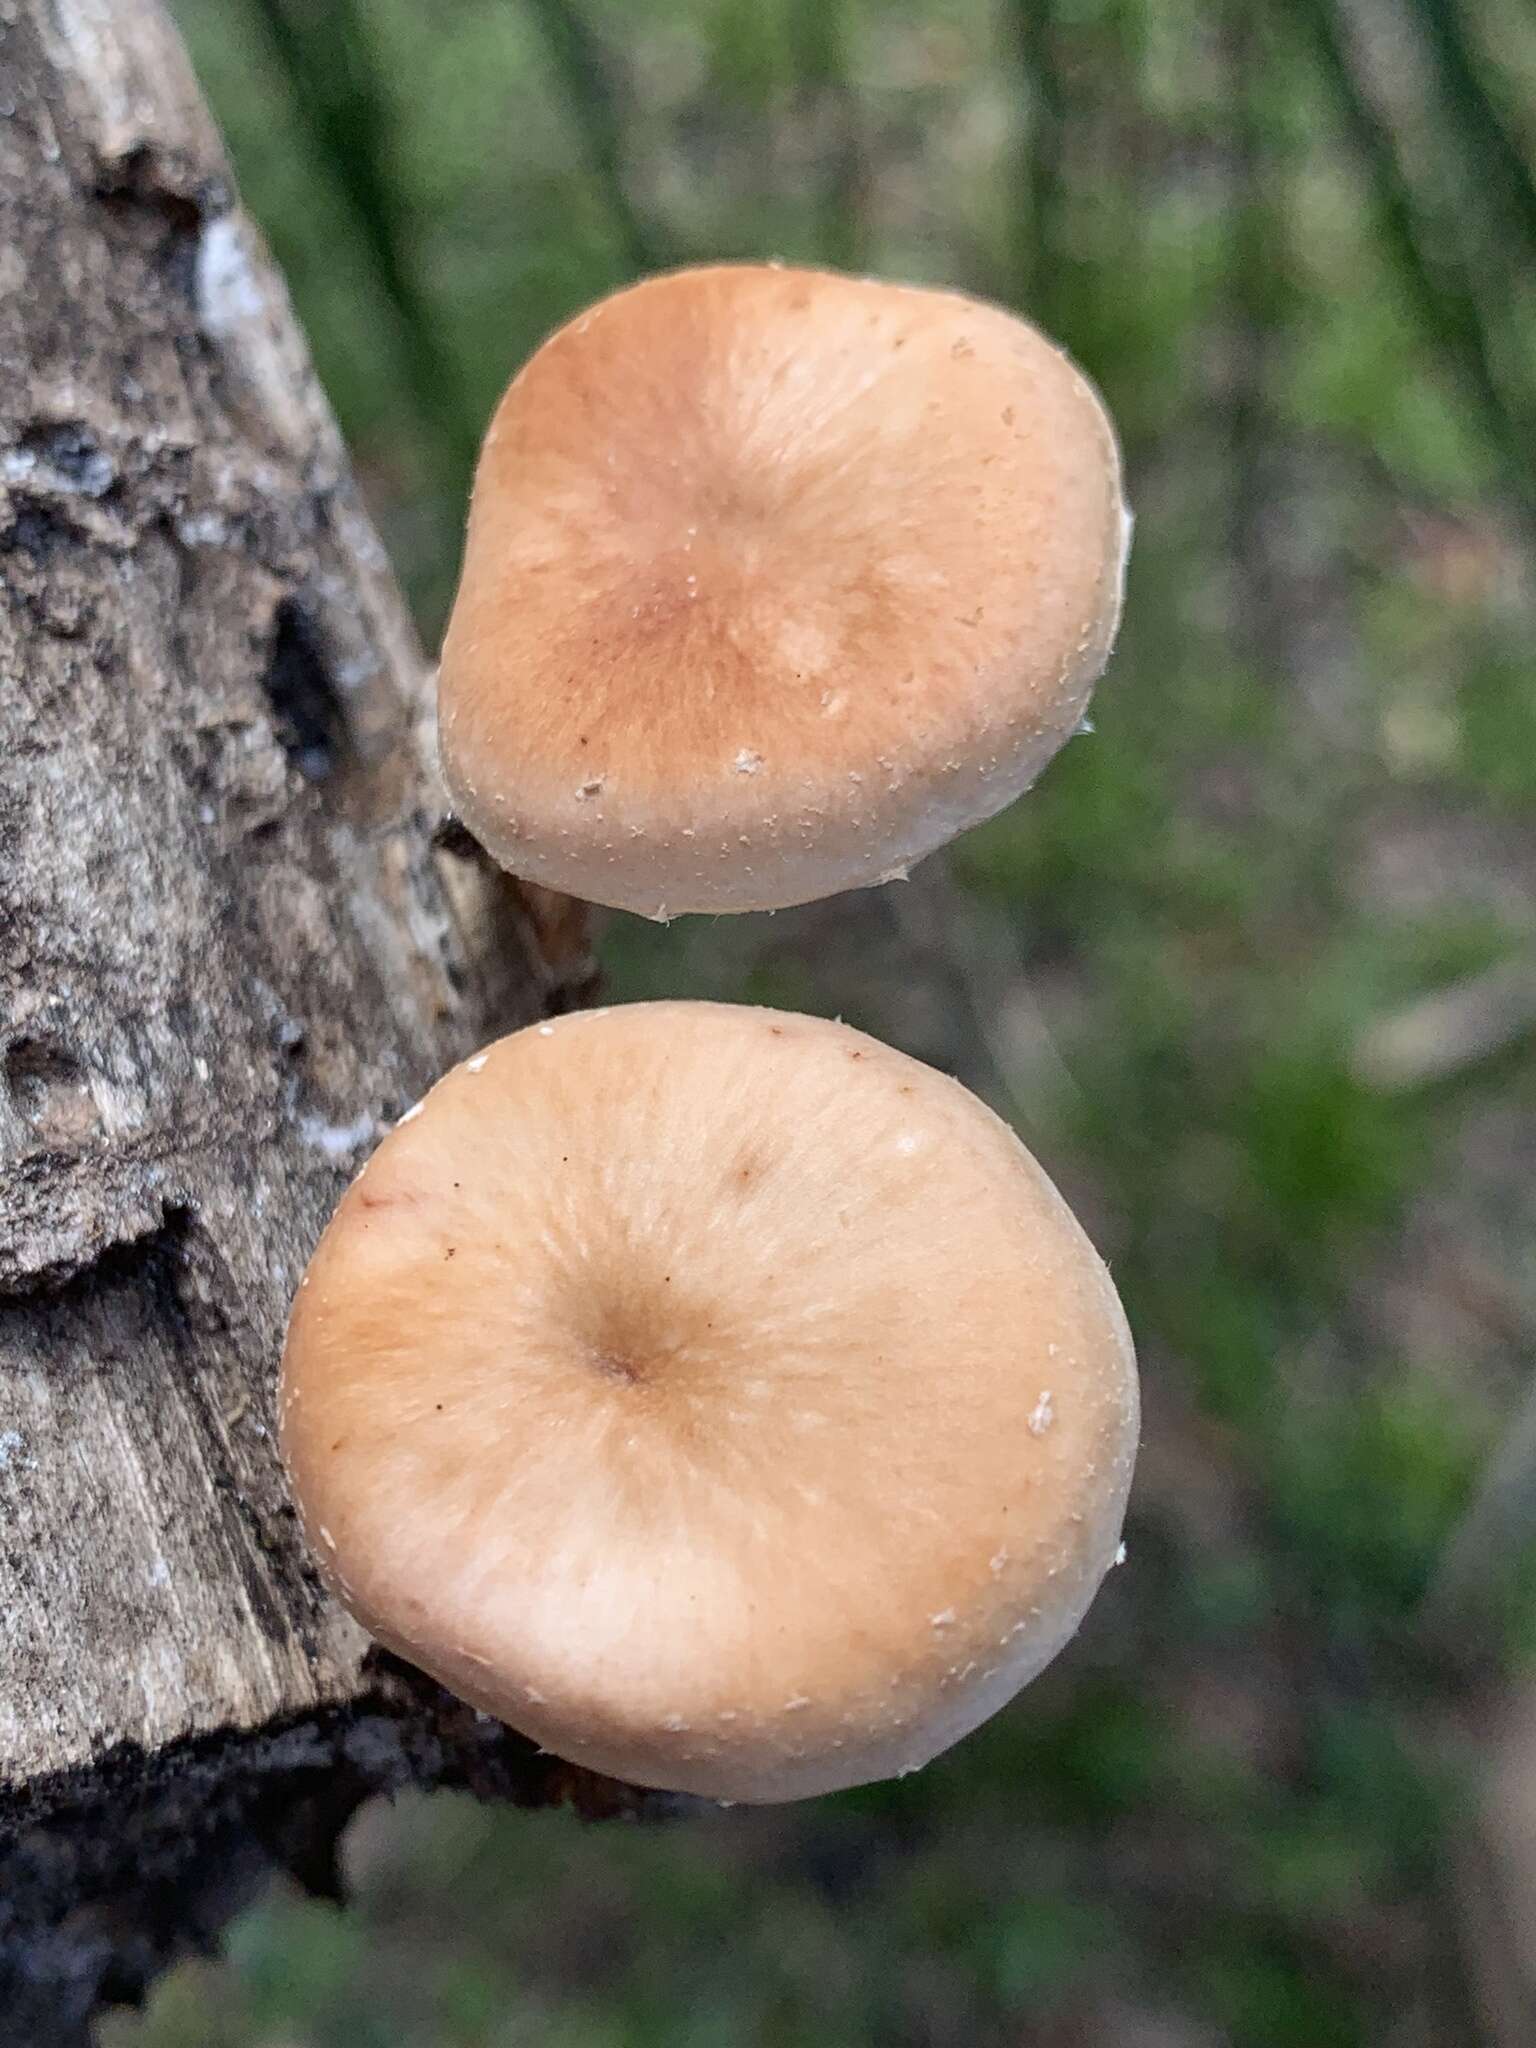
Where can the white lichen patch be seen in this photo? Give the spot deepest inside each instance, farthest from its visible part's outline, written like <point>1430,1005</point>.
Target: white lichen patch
<point>351,675</point>
<point>82,470</point>
<point>337,1141</point>
<point>229,292</point>
<point>202,530</point>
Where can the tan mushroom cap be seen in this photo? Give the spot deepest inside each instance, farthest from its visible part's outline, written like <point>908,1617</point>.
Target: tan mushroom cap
<point>775,581</point>
<point>725,1400</point>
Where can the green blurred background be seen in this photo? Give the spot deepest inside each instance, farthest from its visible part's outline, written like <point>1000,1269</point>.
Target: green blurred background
<point>1253,971</point>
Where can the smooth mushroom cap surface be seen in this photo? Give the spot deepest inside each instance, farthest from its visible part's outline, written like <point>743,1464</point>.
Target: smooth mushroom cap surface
<point>775,580</point>
<point>725,1400</point>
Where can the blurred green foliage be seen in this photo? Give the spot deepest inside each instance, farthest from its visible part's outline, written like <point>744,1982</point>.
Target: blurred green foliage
<point>1296,245</point>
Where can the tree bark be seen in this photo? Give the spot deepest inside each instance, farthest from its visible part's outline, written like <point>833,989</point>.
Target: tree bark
<point>234,947</point>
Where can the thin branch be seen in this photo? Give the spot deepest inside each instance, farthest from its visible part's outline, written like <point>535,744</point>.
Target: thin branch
<point>1493,1534</point>
<point>337,93</point>
<point>1484,130</point>
<point>1251,265</point>
<point>1003,1048</point>
<point>583,70</point>
<point>818,31</point>
<point>1433,275</point>
<point>1038,245</point>
<point>1439,1036</point>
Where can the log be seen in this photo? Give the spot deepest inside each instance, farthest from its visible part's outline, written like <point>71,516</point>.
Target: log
<point>234,947</point>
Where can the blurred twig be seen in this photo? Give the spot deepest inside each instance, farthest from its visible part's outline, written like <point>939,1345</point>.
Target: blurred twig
<point>1496,1529</point>
<point>1003,1048</point>
<point>1488,1900</point>
<point>583,71</point>
<point>1482,126</point>
<point>1253,289</point>
<point>1491,1537</point>
<point>1033,28</point>
<point>1433,272</point>
<point>819,34</point>
<point>328,62</point>
<point>1442,1034</point>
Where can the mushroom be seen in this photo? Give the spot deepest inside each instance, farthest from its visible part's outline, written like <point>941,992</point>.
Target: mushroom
<point>775,581</point>
<point>723,1399</point>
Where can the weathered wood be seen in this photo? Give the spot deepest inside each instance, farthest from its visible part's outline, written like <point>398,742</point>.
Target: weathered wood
<point>231,953</point>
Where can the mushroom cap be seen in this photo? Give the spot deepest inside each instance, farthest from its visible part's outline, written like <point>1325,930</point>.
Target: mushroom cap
<point>775,581</point>
<point>725,1400</point>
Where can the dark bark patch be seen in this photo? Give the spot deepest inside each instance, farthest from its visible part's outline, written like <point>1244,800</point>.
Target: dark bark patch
<point>299,687</point>
<point>451,835</point>
<point>65,457</point>
<point>36,529</point>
